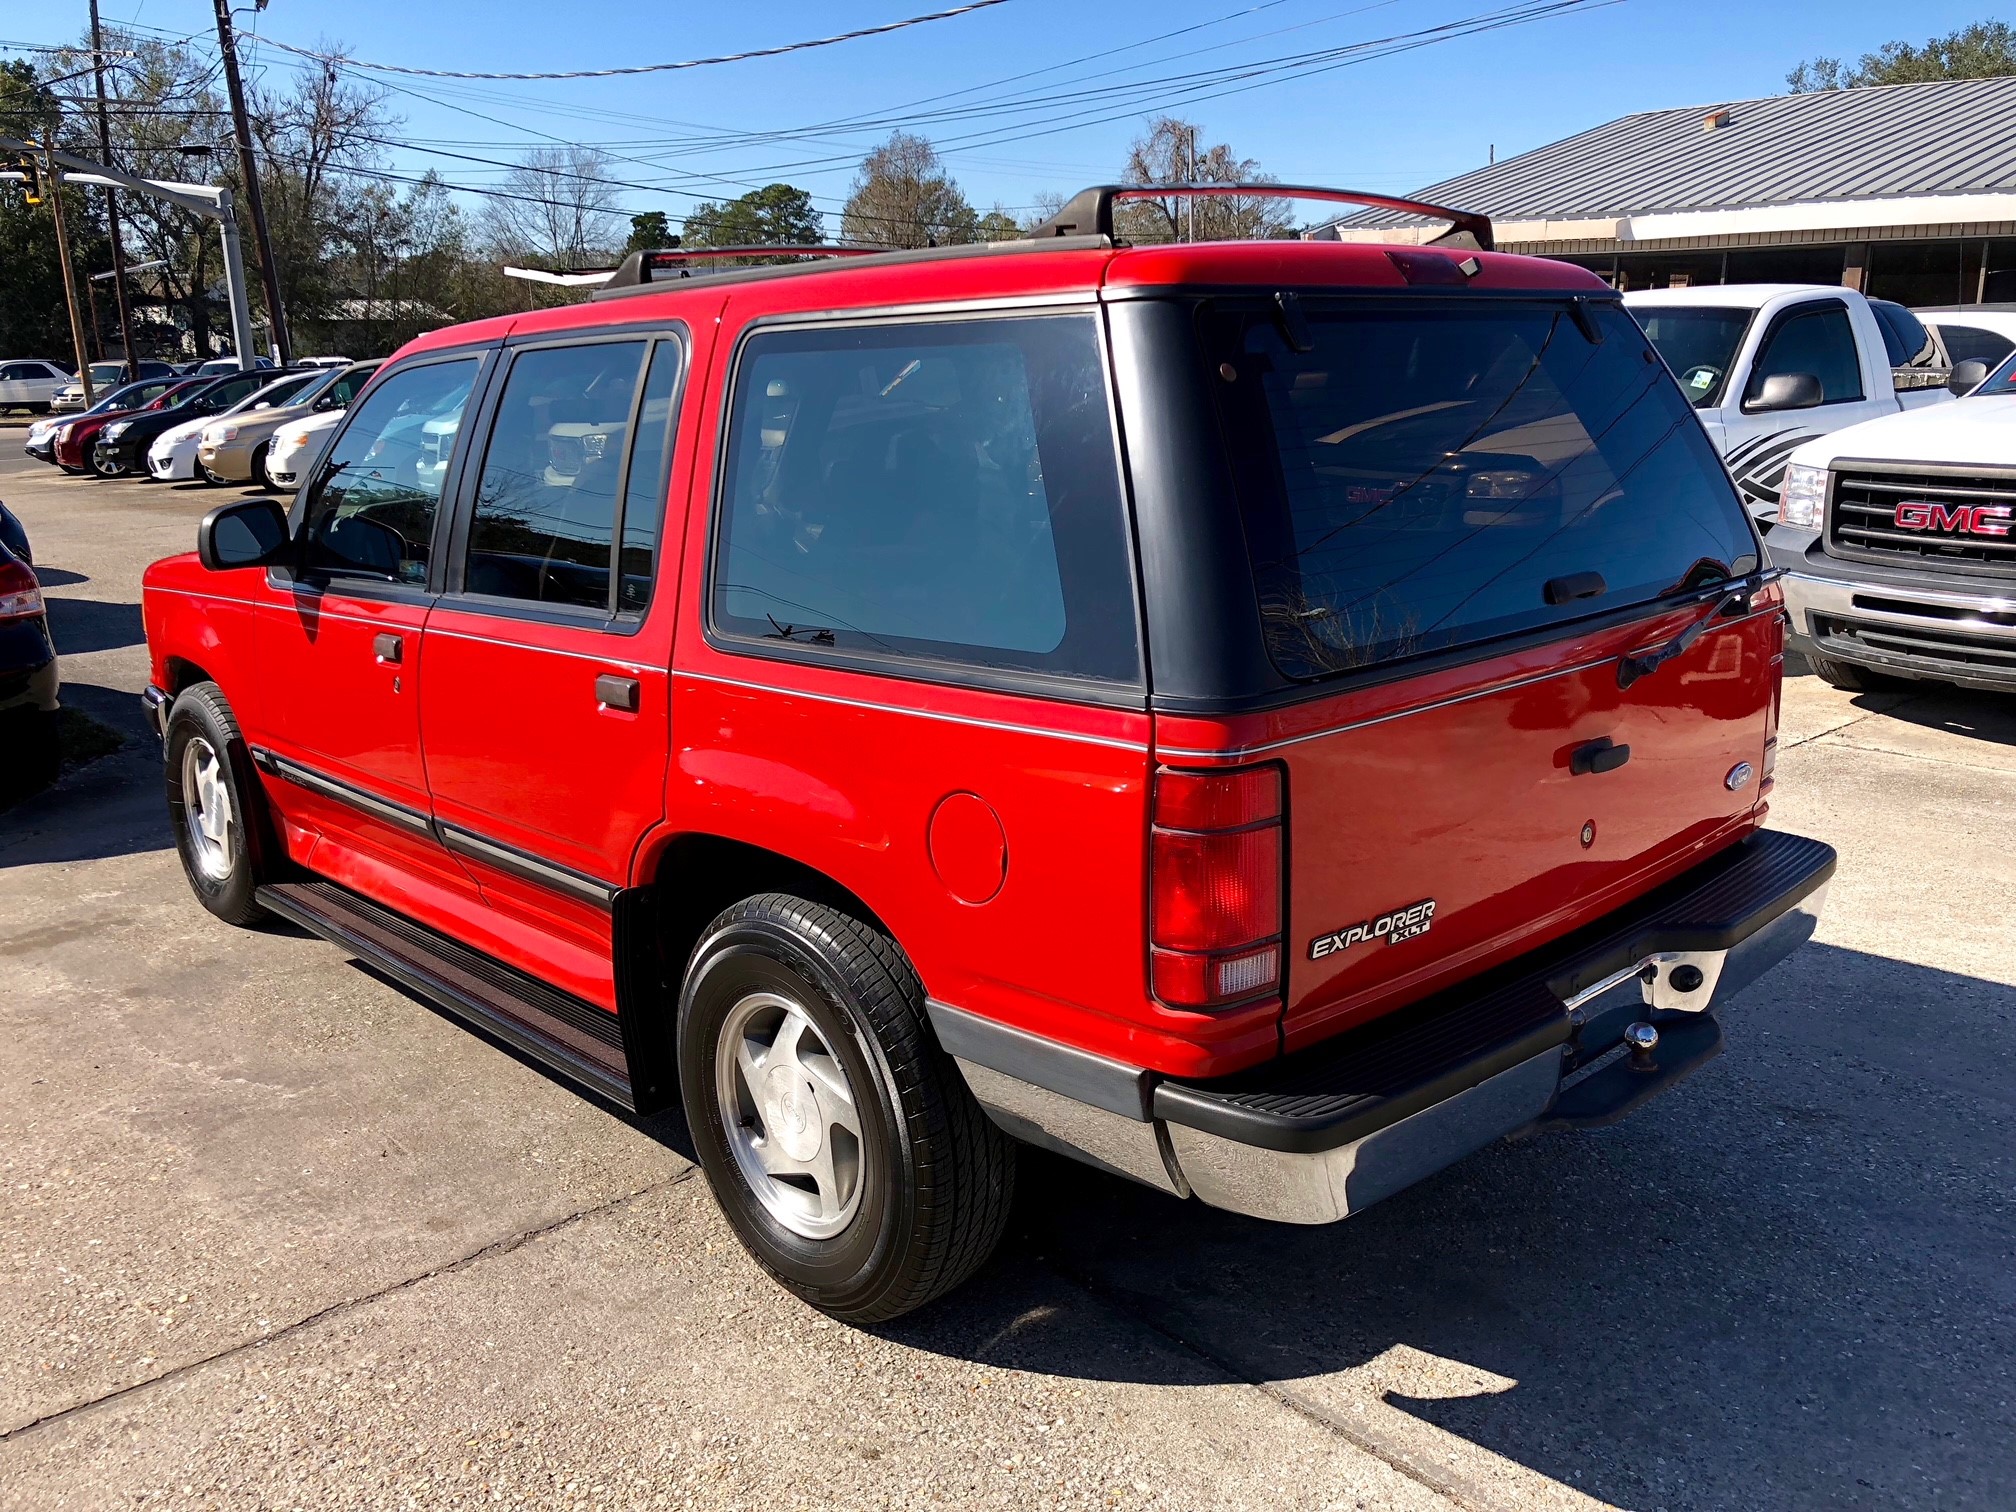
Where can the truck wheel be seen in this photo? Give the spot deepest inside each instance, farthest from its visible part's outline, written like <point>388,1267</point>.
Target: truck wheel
<point>214,804</point>
<point>1848,676</point>
<point>839,1139</point>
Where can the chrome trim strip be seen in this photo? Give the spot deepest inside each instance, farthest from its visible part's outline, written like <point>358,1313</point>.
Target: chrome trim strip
<point>1238,753</point>
<point>506,858</point>
<point>958,719</point>
<point>1805,593</point>
<point>384,809</point>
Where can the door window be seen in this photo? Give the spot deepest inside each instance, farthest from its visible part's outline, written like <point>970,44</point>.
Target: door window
<point>375,494</point>
<point>546,518</point>
<point>1818,341</point>
<point>945,491</point>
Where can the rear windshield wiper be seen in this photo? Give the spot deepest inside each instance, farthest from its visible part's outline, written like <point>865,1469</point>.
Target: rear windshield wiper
<point>1645,663</point>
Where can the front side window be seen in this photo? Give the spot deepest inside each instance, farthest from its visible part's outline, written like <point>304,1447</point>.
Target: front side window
<point>375,494</point>
<point>1818,341</point>
<point>552,493</point>
<point>1429,475</point>
<point>936,491</point>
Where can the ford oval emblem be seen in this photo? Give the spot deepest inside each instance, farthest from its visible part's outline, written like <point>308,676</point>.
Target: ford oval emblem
<point>1739,776</point>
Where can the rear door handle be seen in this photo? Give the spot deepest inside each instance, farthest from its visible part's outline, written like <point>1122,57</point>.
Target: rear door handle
<point>389,649</point>
<point>614,692</point>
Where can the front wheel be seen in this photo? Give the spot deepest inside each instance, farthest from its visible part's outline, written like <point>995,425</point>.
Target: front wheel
<point>839,1139</point>
<point>105,467</point>
<point>1848,676</point>
<point>213,802</point>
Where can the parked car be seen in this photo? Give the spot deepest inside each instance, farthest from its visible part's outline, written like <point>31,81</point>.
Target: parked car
<point>328,362</point>
<point>171,455</point>
<point>296,446</point>
<point>787,743</point>
<point>1984,333</point>
<point>216,365</point>
<point>122,446</point>
<point>105,375</point>
<point>235,450</point>
<point>77,443</point>
<point>31,384</point>
<point>29,679</point>
<point>1898,537</point>
<point>1770,366</point>
<point>40,442</point>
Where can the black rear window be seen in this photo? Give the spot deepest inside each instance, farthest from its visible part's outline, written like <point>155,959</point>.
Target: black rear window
<point>1431,474</point>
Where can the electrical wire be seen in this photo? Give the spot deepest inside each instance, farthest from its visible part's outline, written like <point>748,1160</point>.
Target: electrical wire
<point>643,68</point>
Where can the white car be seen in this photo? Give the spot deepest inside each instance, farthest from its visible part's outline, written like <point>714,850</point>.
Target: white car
<point>172,457</point>
<point>1982,333</point>
<point>296,448</point>
<point>31,384</point>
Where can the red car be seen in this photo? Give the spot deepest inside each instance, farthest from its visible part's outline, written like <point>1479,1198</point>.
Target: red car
<point>77,442</point>
<point>1266,719</point>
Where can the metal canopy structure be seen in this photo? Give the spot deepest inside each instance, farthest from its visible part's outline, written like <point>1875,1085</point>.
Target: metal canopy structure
<point>207,200</point>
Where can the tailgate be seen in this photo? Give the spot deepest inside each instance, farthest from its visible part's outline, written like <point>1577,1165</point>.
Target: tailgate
<point>1430,840</point>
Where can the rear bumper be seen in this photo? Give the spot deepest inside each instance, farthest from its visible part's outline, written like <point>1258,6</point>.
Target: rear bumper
<point>1322,1134</point>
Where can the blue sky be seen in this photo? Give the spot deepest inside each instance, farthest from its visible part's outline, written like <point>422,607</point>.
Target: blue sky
<point>1392,123</point>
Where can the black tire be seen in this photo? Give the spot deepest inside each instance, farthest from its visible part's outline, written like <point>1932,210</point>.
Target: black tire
<point>1849,677</point>
<point>73,471</point>
<point>201,714</point>
<point>259,478</point>
<point>31,752</point>
<point>204,475</point>
<point>936,1177</point>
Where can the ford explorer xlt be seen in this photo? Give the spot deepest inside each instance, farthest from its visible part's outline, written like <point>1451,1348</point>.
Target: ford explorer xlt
<point>1266,719</point>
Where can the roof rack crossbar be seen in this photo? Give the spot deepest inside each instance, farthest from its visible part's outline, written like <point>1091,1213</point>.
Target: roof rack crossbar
<point>1090,211</point>
<point>638,267</point>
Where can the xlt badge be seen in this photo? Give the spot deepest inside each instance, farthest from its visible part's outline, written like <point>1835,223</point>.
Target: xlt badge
<point>1400,924</point>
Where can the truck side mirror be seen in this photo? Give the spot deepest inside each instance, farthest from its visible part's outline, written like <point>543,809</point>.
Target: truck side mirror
<point>1788,391</point>
<point>250,533</point>
<point>1966,377</point>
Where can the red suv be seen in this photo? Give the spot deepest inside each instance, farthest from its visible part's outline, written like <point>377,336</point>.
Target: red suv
<point>1266,719</point>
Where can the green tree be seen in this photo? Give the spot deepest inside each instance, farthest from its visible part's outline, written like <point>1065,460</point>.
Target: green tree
<point>34,317</point>
<point>903,197</point>
<point>776,213</point>
<point>1985,50</point>
<point>998,225</point>
<point>648,231</point>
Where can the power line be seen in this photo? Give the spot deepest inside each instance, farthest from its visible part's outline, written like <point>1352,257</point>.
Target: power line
<point>645,68</point>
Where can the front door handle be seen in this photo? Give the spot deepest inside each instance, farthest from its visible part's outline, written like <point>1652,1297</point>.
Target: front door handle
<point>389,649</point>
<point>614,692</point>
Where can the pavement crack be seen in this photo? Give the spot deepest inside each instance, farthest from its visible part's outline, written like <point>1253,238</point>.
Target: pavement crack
<point>490,1251</point>
<point>1446,1483</point>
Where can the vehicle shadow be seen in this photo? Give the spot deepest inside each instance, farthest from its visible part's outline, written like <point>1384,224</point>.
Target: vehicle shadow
<point>1784,1285</point>
<point>59,577</point>
<point>1966,712</point>
<point>79,625</point>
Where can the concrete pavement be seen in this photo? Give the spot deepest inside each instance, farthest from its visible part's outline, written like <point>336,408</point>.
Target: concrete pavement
<point>277,1234</point>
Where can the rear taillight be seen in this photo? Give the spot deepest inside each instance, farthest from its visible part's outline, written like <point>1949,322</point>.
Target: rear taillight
<point>20,594</point>
<point>1214,916</point>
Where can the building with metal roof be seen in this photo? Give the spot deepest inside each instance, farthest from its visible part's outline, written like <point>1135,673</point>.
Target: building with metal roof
<point>1907,191</point>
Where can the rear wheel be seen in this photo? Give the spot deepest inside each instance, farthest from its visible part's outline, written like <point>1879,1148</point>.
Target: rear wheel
<point>839,1139</point>
<point>214,804</point>
<point>1849,677</point>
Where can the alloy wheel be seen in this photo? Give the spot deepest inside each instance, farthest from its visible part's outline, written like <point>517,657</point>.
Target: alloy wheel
<point>206,808</point>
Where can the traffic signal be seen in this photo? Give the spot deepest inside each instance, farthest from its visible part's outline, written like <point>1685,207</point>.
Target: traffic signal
<point>31,177</point>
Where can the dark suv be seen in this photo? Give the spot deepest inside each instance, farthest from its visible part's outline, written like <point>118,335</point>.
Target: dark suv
<point>1263,718</point>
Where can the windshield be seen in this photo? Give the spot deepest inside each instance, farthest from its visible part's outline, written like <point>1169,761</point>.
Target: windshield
<point>1699,345</point>
<point>286,391</point>
<point>1432,474</point>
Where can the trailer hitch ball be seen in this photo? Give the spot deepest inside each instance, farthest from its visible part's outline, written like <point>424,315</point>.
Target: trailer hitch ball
<point>1643,1039</point>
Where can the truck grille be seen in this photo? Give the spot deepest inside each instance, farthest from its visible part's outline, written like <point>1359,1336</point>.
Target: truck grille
<point>1967,521</point>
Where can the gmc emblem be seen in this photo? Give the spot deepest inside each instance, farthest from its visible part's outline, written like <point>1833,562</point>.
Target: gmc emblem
<point>1957,519</point>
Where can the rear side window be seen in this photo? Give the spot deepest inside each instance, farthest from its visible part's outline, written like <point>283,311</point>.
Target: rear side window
<point>1905,338</point>
<point>1429,475</point>
<point>1817,341</point>
<point>1965,343</point>
<point>945,491</point>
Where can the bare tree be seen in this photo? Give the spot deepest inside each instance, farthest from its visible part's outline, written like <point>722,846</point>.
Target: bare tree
<point>1168,153</point>
<point>903,197</point>
<point>563,211</point>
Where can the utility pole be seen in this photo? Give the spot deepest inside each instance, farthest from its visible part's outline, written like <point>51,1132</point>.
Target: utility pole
<point>269,272</point>
<point>69,273</point>
<point>112,204</point>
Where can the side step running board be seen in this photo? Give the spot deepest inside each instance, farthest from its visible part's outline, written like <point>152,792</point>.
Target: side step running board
<point>568,1034</point>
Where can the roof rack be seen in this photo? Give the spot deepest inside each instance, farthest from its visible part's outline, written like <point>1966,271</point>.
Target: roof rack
<point>1090,211</point>
<point>638,267</point>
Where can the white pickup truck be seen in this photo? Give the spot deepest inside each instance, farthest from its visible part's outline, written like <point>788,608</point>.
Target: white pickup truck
<point>1771,366</point>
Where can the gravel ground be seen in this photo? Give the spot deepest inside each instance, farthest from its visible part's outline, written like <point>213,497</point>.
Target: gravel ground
<point>275,1234</point>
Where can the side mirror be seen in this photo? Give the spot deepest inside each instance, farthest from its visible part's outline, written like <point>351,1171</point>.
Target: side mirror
<point>1788,391</point>
<point>1966,377</point>
<point>250,533</point>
